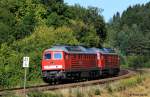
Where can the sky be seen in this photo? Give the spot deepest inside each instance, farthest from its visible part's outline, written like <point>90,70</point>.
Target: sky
<point>110,7</point>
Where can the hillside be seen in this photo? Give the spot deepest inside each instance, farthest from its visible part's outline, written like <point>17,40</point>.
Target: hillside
<point>27,27</point>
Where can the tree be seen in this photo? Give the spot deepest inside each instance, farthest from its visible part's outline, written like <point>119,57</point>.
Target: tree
<point>7,21</point>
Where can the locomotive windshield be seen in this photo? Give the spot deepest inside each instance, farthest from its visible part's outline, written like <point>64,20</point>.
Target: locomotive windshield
<point>57,56</point>
<point>47,56</point>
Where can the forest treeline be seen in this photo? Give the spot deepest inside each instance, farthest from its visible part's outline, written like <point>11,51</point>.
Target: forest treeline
<point>27,27</point>
<point>130,33</point>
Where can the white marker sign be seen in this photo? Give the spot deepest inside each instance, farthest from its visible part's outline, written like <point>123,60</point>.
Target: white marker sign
<point>25,61</point>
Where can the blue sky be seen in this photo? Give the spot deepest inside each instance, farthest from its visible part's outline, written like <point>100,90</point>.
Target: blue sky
<point>110,7</point>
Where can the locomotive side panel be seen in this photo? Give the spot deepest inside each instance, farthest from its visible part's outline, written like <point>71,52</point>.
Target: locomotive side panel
<point>83,62</point>
<point>109,63</point>
<point>111,60</point>
<point>67,62</point>
<point>81,65</point>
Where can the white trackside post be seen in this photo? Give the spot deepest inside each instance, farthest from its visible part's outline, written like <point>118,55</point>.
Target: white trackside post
<point>25,65</point>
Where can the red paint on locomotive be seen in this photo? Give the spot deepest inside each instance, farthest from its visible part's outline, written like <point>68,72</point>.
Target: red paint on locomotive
<point>77,62</point>
<point>51,62</point>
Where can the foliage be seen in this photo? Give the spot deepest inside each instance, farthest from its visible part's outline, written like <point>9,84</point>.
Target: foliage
<point>33,46</point>
<point>27,27</point>
<point>138,61</point>
<point>97,91</point>
<point>129,29</point>
<point>9,68</point>
<point>130,34</point>
<point>18,19</point>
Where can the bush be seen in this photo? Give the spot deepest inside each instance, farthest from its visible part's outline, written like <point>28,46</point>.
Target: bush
<point>138,61</point>
<point>97,91</point>
<point>147,64</point>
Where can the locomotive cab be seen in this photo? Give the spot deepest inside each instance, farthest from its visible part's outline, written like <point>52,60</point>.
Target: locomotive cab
<point>52,61</point>
<point>52,64</point>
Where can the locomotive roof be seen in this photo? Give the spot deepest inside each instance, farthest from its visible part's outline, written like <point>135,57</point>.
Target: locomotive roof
<point>103,50</point>
<point>71,49</point>
<point>81,49</point>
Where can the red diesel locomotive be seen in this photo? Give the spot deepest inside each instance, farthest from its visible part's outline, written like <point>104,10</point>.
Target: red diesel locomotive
<point>77,62</point>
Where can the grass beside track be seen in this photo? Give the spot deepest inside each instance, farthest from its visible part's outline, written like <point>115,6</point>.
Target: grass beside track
<point>135,86</point>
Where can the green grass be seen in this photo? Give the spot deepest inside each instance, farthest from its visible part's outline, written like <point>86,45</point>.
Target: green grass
<point>126,83</point>
<point>79,92</point>
<point>91,91</point>
<point>42,94</point>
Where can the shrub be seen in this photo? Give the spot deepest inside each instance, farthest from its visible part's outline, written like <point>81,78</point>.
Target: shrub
<point>109,88</point>
<point>97,91</point>
<point>138,61</point>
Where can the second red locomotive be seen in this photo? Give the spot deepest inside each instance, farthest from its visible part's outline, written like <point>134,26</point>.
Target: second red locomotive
<point>77,62</point>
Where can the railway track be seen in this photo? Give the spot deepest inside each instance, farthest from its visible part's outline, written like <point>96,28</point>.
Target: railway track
<point>123,74</point>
